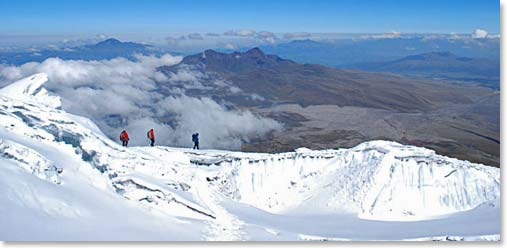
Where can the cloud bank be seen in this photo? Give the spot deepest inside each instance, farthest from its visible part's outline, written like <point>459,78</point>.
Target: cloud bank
<point>389,35</point>
<point>296,35</point>
<point>480,33</point>
<point>195,36</point>
<point>120,93</point>
<point>241,33</point>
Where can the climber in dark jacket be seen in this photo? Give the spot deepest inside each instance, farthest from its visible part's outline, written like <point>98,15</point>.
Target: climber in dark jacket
<point>195,139</point>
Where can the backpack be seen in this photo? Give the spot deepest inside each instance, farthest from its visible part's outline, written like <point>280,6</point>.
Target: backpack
<point>193,137</point>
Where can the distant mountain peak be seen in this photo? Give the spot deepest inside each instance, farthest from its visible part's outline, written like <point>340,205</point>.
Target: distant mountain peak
<point>113,43</point>
<point>253,52</point>
<point>251,58</point>
<point>256,52</point>
<point>209,52</point>
<point>110,41</point>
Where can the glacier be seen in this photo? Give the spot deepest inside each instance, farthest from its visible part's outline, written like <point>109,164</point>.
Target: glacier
<point>63,179</point>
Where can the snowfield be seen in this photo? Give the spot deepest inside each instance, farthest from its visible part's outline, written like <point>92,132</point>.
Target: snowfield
<point>63,179</point>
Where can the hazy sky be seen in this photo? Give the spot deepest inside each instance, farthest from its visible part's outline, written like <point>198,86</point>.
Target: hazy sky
<point>51,17</point>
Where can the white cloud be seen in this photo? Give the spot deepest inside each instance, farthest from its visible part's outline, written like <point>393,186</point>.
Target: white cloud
<point>102,36</point>
<point>265,34</point>
<point>113,72</point>
<point>230,46</point>
<point>212,34</point>
<point>389,35</point>
<point>241,33</point>
<point>174,41</point>
<point>185,76</point>
<point>267,37</point>
<point>256,97</point>
<point>455,36</point>
<point>296,35</point>
<point>188,79</point>
<point>80,41</point>
<point>479,33</point>
<point>195,36</point>
<point>54,47</point>
<point>120,93</point>
<point>215,123</point>
<point>234,89</point>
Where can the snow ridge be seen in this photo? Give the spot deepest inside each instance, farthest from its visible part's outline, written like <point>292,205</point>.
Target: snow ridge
<point>377,180</point>
<point>31,89</point>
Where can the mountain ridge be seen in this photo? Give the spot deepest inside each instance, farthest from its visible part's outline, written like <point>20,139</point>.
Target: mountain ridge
<point>345,52</point>
<point>441,64</point>
<point>283,80</point>
<point>116,44</point>
<point>105,49</point>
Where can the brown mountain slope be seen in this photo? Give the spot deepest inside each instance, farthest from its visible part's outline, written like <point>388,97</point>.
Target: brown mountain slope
<point>323,107</point>
<point>284,81</point>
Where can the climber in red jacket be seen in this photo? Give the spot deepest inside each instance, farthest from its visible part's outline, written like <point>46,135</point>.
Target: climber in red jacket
<point>124,137</point>
<point>151,137</point>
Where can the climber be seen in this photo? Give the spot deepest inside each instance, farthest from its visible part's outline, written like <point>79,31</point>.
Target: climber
<point>151,137</point>
<point>195,139</point>
<point>124,138</point>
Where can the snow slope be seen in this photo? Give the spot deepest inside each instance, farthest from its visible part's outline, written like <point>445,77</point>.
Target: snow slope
<point>63,179</point>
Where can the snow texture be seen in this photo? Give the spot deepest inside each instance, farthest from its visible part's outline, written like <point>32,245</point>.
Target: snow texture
<point>63,179</point>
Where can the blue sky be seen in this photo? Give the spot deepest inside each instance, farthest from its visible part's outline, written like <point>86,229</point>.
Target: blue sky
<point>51,17</point>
